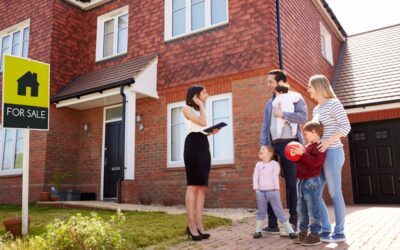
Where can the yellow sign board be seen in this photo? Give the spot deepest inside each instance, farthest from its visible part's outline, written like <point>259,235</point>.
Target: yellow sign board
<point>25,93</point>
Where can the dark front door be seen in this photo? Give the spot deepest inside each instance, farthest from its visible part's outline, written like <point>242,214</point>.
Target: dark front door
<point>113,158</point>
<point>375,161</point>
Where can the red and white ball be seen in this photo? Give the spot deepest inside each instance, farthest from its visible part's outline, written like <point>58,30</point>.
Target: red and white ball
<point>288,150</point>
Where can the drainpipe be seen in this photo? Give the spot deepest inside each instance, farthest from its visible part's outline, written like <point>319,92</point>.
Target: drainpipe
<point>122,171</point>
<point>279,33</point>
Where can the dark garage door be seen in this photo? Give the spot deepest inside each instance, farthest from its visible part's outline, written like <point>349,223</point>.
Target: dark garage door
<point>375,161</point>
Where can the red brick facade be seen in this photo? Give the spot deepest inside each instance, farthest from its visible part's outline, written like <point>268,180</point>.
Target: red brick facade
<point>233,58</point>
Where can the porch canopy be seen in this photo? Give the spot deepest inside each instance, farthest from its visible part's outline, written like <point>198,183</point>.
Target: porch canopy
<point>102,88</point>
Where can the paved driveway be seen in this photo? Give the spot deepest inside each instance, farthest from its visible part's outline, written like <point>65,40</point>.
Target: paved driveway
<point>367,227</point>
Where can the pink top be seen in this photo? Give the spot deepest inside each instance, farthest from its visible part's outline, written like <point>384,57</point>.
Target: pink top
<point>266,175</point>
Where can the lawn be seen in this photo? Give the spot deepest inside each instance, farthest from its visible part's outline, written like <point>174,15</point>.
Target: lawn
<point>141,229</point>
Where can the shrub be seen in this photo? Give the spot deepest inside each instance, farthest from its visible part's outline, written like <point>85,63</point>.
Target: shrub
<point>78,233</point>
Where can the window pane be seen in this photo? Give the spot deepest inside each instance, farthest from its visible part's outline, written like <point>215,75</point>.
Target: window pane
<point>198,14</point>
<point>222,142</point>
<point>4,49</point>
<point>109,26</point>
<point>122,40</point>
<point>177,142</point>
<point>114,113</point>
<point>25,44</point>
<point>5,43</point>
<point>220,109</point>
<point>15,43</point>
<point>108,45</point>
<point>177,116</point>
<point>218,11</point>
<point>123,21</point>
<point>178,22</point>
<point>26,34</point>
<point>178,4</point>
<point>19,150</point>
<point>9,149</point>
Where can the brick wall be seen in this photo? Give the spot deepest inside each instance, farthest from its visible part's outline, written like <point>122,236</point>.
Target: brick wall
<point>301,41</point>
<point>246,43</point>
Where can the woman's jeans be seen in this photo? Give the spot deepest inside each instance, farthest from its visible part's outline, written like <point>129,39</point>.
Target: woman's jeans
<point>331,175</point>
<point>308,204</point>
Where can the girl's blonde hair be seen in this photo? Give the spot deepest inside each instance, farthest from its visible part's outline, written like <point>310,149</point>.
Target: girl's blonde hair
<point>322,86</point>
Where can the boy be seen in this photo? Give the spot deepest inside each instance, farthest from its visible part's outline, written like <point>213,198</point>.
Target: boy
<point>309,185</point>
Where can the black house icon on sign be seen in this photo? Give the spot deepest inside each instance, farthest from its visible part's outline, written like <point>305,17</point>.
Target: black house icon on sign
<point>28,80</point>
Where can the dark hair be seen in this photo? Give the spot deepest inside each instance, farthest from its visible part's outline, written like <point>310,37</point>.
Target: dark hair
<point>193,91</point>
<point>279,74</point>
<point>314,125</point>
<point>282,88</point>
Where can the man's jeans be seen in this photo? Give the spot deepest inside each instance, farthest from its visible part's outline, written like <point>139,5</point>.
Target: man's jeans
<point>331,175</point>
<point>308,205</point>
<point>288,171</point>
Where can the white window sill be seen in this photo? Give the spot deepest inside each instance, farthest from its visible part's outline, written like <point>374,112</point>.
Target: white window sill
<point>195,32</point>
<point>11,173</point>
<point>327,60</point>
<point>111,57</point>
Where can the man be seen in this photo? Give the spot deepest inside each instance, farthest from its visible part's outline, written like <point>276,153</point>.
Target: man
<point>269,136</point>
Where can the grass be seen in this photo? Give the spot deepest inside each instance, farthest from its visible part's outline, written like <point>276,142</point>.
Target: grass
<point>141,229</point>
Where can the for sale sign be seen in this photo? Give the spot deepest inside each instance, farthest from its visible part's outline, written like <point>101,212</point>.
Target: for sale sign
<point>25,93</point>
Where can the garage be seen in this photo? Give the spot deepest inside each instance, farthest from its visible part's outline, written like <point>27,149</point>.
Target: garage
<point>375,161</point>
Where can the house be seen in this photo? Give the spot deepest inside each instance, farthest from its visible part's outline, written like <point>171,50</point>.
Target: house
<point>28,80</point>
<point>119,75</point>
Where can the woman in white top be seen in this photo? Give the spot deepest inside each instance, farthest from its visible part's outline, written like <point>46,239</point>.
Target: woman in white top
<point>331,114</point>
<point>197,160</point>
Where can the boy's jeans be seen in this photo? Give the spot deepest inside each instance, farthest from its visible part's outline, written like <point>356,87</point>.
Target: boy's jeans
<point>308,204</point>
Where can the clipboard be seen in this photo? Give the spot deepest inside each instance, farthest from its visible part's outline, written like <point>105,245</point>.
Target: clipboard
<point>216,126</point>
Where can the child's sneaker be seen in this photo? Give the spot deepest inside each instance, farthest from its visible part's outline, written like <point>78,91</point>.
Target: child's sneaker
<point>335,238</point>
<point>287,230</point>
<point>311,240</point>
<point>300,237</point>
<point>271,230</point>
<point>257,235</point>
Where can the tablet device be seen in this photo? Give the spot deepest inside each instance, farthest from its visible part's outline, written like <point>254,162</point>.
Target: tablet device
<point>218,126</point>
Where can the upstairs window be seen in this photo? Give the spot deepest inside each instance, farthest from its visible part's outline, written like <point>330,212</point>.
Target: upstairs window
<point>326,44</point>
<point>14,41</point>
<point>112,34</point>
<point>184,17</point>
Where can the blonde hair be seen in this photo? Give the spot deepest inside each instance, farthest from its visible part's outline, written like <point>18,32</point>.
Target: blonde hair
<point>322,86</point>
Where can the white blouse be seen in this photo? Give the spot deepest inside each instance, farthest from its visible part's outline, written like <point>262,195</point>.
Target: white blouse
<point>193,126</point>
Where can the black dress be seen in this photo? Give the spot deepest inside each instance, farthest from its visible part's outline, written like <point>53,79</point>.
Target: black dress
<point>197,159</point>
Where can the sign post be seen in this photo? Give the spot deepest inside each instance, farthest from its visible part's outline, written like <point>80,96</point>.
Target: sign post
<point>25,106</point>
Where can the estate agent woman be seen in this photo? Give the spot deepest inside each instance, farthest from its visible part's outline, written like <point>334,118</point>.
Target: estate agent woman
<point>197,160</point>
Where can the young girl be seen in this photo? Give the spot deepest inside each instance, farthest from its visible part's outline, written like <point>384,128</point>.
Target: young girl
<point>266,184</point>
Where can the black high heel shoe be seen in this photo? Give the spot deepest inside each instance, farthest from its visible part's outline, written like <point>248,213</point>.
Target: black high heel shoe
<point>204,236</point>
<point>193,237</point>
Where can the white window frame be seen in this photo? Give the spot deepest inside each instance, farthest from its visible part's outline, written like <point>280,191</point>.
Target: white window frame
<point>177,164</point>
<point>115,14</point>
<point>2,144</point>
<point>9,32</point>
<point>326,44</point>
<point>168,20</point>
